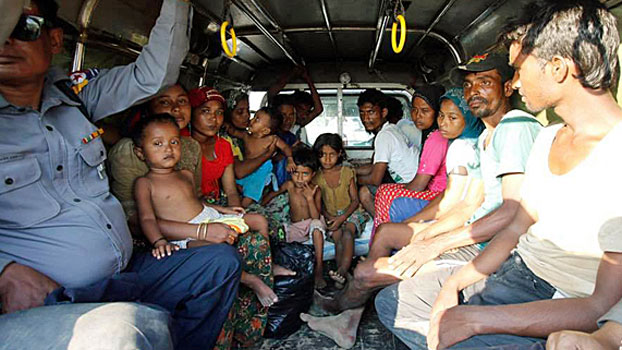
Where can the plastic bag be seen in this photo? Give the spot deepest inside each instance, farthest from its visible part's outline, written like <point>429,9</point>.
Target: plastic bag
<point>295,292</point>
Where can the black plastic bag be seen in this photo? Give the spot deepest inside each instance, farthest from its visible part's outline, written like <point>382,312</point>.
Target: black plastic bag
<point>295,292</point>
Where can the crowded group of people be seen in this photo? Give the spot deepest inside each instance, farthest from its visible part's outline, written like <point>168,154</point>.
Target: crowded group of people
<point>485,234</point>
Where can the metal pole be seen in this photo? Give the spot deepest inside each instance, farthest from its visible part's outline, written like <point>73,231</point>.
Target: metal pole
<point>328,27</point>
<point>436,20</point>
<point>455,52</point>
<point>340,111</point>
<point>482,16</point>
<point>383,20</point>
<point>265,31</point>
<point>84,19</point>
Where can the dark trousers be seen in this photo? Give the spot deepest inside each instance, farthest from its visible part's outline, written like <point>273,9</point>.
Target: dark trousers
<point>196,286</point>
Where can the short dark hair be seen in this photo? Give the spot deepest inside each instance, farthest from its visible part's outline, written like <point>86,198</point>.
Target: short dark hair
<point>395,110</point>
<point>302,97</point>
<point>281,100</point>
<point>373,96</point>
<point>276,119</point>
<point>581,30</point>
<point>304,156</point>
<point>49,11</point>
<point>334,141</point>
<point>139,130</point>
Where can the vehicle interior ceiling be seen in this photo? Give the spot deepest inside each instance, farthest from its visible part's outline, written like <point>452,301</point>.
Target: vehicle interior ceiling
<point>328,37</point>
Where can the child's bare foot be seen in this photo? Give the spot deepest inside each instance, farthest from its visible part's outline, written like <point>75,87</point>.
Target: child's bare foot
<point>319,281</point>
<point>265,294</point>
<point>339,279</point>
<point>278,270</point>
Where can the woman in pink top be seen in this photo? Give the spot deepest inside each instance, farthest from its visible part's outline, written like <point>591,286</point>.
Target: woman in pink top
<point>431,178</point>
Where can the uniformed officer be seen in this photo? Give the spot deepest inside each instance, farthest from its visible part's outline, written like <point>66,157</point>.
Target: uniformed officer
<point>59,225</point>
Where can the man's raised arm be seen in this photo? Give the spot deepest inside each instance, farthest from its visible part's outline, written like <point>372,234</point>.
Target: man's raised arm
<point>114,90</point>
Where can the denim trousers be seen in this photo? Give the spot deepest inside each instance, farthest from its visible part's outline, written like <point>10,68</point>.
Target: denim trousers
<point>86,326</point>
<point>404,308</point>
<point>402,208</point>
<point>196,287</point>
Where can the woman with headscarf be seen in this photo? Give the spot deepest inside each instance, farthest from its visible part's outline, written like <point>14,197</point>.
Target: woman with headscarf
<point>431,178</point>
<point>462,128</point>
<point>248,316</point>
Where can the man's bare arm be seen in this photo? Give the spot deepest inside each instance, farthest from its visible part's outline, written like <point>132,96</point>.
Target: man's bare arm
<point>375,176</point>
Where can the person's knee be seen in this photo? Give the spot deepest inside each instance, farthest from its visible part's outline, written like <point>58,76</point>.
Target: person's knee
<point>122,326</point>
<point>364,193</point>
<point>224,255</point>
<point>386,305</point>
<point>381,232</point>
<point>364,274</point>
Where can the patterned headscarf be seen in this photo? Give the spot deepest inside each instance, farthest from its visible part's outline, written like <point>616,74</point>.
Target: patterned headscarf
<point>204,94</point>
<point>233,97</point>
<point>472,126</point>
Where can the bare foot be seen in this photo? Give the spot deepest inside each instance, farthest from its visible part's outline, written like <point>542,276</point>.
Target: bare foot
<point>278,270</point>
<point>340,328</point>
<point>319,281</point>
<point>325,303</point>
<point>265,294</point>
<point>338,278</point>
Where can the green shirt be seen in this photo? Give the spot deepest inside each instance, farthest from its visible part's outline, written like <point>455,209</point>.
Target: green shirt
<point>506,153</point>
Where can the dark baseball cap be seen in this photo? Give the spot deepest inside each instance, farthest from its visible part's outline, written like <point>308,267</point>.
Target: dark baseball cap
<point>482,63</point>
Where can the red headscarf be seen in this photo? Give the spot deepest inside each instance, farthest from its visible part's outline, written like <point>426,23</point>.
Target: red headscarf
<point>204,94</point>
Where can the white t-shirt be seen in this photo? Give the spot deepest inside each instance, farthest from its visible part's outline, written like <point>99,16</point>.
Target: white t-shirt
<point>579,214</point>
<point>391,146</point>
<point>462,153</point>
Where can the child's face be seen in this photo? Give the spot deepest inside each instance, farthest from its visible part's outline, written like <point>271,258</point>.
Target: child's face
<point>328,157</point>
<point>161,146</point>
<point>260,124</point>
<point>302,175</point>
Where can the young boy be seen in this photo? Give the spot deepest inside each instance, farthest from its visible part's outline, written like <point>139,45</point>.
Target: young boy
<point>305,202</point>
<point>168,194</point>
<point>259,137</point>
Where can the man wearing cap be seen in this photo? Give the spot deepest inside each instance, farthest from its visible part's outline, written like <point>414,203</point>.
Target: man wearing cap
<point>503,149</point>
<point>63,236</point>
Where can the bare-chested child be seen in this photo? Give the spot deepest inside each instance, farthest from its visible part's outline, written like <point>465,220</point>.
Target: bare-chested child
<point>305,203</point>
<point>259,137</point>
<point>165,193</point>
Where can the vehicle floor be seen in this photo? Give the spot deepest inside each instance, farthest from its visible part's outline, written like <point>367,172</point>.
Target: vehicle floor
<point>371,335</point>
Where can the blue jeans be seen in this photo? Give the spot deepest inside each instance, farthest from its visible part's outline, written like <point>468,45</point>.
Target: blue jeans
<point>196,286</point>
<point>404,308</point>
<point>403,207</point>
<point>102,326</point>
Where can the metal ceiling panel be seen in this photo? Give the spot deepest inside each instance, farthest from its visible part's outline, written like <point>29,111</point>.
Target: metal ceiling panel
<point>354,45</point>
<point>460,15</point>
<point>485,34</point>
<point>353,12</point>
<point>421,13</point>
<point>266,46</point>
<point>294,13</point>
<point>312,46</point>
<point>121,18</point>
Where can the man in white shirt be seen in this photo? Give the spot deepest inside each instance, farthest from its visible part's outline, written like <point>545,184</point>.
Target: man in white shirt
<point>395,158</point>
